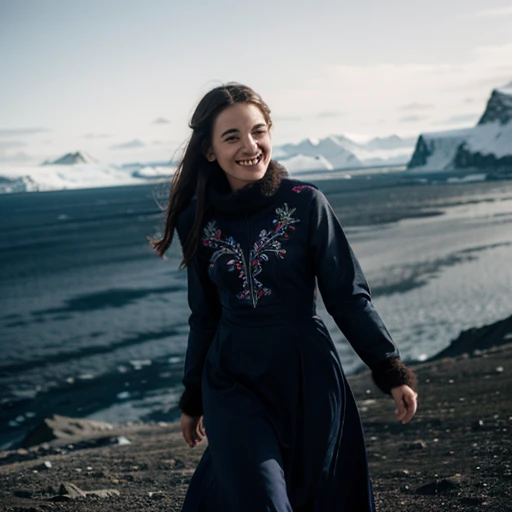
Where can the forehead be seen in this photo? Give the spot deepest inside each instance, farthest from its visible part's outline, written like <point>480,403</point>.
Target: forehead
<point>239,116</point>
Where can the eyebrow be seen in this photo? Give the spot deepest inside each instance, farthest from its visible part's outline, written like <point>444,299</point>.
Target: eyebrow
<point>235,130</point>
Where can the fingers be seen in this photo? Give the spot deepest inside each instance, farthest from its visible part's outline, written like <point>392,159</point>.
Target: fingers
<point>189,430</point>
<point>407,407</point>
<point>200,428</point>
<point>191,437</point>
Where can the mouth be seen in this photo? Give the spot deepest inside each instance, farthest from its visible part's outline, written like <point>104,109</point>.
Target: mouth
<point>250,162</point>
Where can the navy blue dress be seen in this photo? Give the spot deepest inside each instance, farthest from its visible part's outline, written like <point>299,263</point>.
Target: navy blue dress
<point>283,428</point>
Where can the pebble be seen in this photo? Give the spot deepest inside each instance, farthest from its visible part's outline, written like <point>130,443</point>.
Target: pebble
<point>157,495</point>
<point>417,445</point>
<point>477,425</point>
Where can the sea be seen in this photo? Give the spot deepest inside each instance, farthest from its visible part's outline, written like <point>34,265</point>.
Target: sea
<point>94,324</point>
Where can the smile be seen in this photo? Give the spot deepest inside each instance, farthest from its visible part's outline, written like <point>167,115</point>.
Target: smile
<point>253,161</point>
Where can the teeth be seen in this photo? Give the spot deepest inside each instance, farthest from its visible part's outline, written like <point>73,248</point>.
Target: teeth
<point>254,161</point>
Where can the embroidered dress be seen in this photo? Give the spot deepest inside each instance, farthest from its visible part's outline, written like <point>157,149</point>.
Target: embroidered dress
<point>283,429</point>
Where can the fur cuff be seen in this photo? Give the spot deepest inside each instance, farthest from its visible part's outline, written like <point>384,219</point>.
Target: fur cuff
<point>391,373</point>
<point>191,403</point>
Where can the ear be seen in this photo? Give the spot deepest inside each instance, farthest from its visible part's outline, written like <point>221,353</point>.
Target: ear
<point>210,156</point>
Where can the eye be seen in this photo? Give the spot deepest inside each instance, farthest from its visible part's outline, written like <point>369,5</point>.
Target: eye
<point>229,139</point>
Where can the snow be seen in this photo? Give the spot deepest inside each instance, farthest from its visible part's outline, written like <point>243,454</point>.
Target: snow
<point>467,179</point>
<point>492,136</point>
<point>306,163</point>
<point>79,157</point>
<point>153,172</point>
<point>76,176</point>
<point>491,139</point>
<point>342,152</point>
<point>442,147</point>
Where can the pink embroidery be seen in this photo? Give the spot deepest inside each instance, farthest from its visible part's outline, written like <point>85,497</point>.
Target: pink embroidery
<point>299,188</point>
<point>269,242</point>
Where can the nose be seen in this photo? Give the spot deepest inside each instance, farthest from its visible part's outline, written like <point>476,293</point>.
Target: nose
<point>249,144</point>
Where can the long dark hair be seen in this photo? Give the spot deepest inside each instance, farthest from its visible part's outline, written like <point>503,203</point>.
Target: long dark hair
<point>194,169</point>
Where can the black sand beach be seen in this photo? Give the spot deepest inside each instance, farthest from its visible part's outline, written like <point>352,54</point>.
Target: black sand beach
<point>456,453</point>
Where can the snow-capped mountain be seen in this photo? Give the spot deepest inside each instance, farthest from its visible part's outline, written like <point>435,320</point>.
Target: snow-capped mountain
<point>328,149</point>
<point>437,150</point>
<point>340,152</point>
<point>79,157</point>
<point>488,145</point>
<point>79,170</point>
<point>301,163</point>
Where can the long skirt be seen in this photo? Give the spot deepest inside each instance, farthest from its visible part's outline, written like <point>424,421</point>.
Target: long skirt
<point>284,432</point>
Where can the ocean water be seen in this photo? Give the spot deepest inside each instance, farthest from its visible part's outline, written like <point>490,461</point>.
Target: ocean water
<point>94,324</point>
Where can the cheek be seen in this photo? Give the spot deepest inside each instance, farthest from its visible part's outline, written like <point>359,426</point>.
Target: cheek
<point>267,145</point>
<point>225,154</point>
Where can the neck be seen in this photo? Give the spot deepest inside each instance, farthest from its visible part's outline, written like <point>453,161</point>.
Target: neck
<point>247,197</point>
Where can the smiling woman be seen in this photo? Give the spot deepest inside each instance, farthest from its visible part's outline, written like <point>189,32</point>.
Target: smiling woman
<point>241,144</point>
<point>263,380</point>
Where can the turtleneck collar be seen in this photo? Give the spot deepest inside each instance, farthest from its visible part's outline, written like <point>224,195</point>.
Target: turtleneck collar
<point>251,197</point>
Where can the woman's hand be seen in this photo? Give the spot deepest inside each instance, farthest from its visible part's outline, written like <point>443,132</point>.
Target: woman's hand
<point>405,399</point>
<point>192,429</point>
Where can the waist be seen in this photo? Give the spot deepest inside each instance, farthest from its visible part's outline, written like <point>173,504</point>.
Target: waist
<point>272,315</point>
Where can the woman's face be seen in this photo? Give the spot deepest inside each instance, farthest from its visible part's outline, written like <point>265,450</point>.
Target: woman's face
<point>241,144</point>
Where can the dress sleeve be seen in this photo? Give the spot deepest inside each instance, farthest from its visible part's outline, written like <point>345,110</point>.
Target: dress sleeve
<point>205,310</point>
<point>347,298</point>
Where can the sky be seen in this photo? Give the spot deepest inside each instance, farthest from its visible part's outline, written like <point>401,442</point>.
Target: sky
<point>119,79</point>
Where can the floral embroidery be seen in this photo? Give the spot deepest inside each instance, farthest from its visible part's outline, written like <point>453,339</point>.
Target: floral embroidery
<point>299,188</point>
<point>269,242</point>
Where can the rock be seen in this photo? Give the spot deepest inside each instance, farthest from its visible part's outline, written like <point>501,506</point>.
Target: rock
<point>103,493</point>
<point>69,491</point>
<point>72,490</point>
<point>65,430</point>
<point>158,495</point>
<point>416,445</point>
<point>439,486</point>
<point>477,340</point>
<point>477,425</point>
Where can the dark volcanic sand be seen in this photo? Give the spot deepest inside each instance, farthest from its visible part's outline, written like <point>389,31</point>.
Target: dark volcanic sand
<point>461,433</point>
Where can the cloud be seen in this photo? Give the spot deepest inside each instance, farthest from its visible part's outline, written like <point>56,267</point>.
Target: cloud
<point>412,119</point>
<point>9,144</point>
<point>132,144</point>
<point>493,12</point>
<point>379,91</point>
<point>18,157</point>
<point>496,81</point>
<point>10,132</point>
<point>161,120</point>
<point>334,113</point>
<point>97,135</point>
<point>416,106</point>
<point>462,118</point>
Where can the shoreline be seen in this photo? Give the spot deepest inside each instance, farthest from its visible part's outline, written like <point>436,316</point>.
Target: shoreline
<point>145,384</point>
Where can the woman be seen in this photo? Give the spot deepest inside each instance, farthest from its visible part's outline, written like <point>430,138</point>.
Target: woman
<point>262,376</point>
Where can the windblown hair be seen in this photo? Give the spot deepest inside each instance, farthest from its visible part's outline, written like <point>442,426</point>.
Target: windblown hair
<point>192,173</point>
